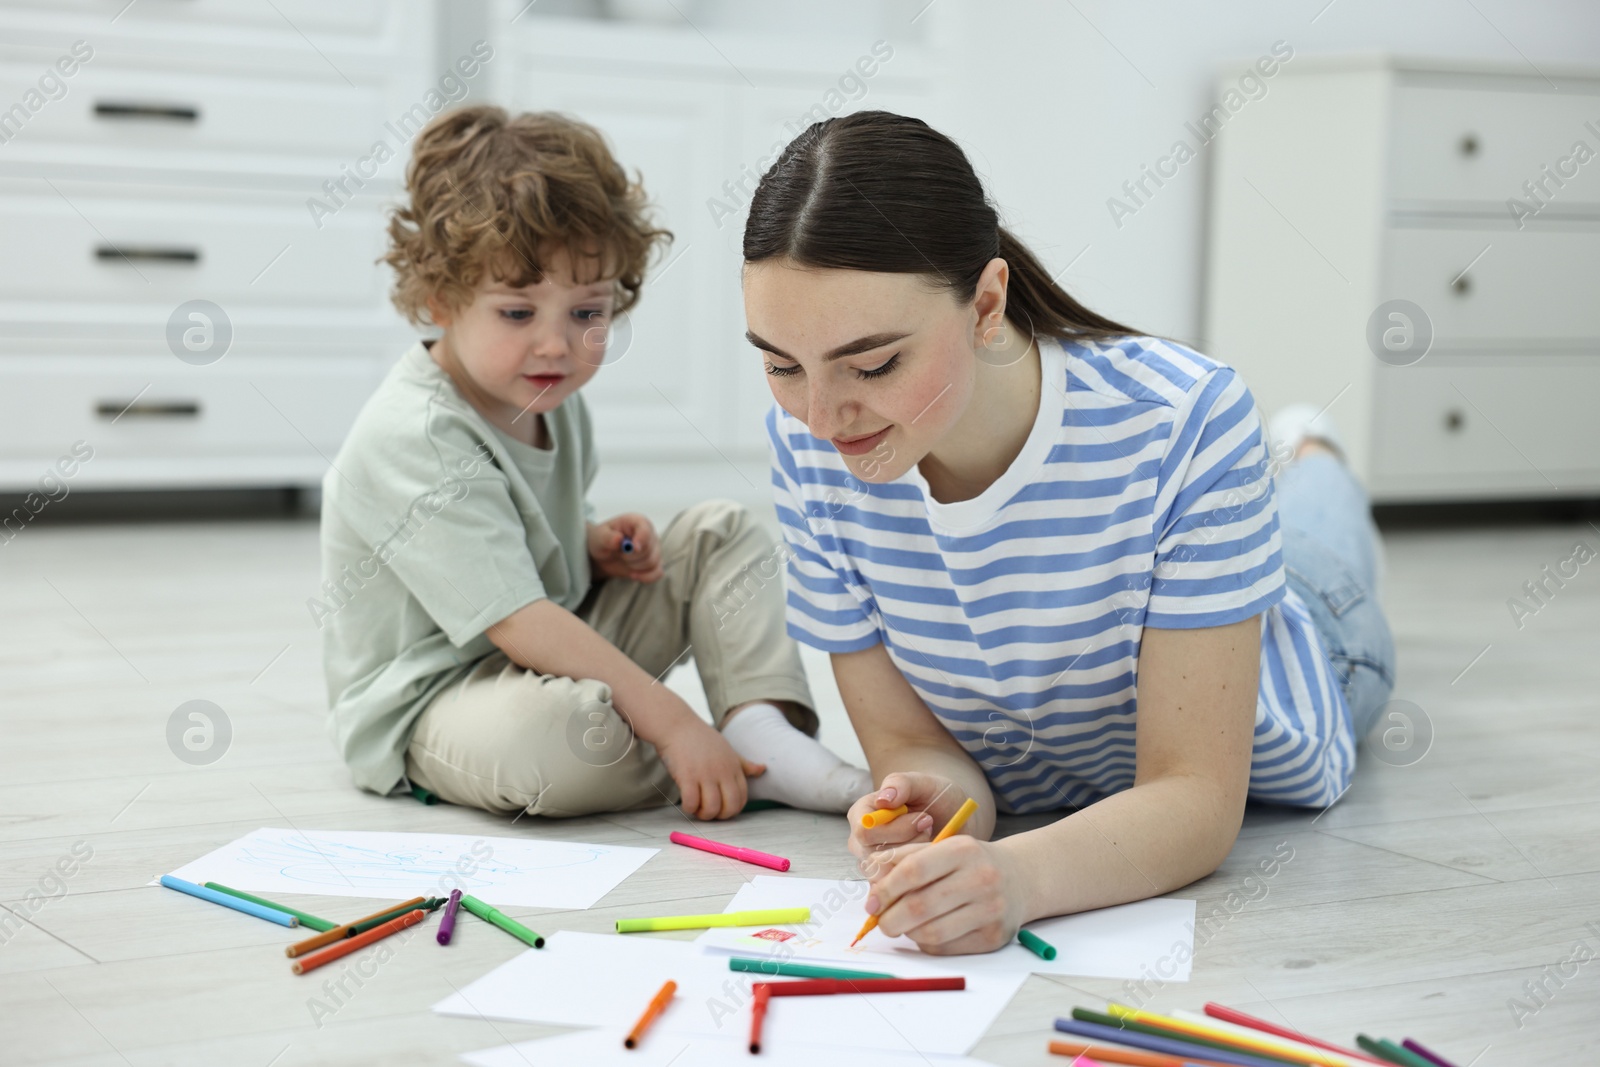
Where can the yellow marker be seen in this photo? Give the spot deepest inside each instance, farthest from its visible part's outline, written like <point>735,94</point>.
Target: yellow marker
<point>769,917</point>
<point>951,828</point>
<point>1299,1054</point>
<point>883,816</point>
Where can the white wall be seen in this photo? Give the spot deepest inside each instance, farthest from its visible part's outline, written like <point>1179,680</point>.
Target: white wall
<point>1059,103</point>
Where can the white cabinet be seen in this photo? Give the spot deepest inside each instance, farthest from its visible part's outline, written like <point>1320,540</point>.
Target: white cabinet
<point>1460,189</point>
<point>178,161</point>
<point>698,118</point>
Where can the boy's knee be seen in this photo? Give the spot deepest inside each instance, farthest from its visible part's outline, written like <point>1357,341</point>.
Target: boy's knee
<point>580,748</point>
<point>528,716</point>
<point>726,518</point>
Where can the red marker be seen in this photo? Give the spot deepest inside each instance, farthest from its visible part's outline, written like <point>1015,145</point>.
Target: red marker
<point>758,1014</point>
<point>824,986</point>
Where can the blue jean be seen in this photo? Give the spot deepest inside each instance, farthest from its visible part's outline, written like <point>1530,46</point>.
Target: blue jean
<point>1330,551</point>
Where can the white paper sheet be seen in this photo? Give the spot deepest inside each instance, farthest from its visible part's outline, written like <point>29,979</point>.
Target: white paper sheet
<point>1147,937</point>
<point>603,1048</point>
<point>605,980</point>
<point>504,871</point>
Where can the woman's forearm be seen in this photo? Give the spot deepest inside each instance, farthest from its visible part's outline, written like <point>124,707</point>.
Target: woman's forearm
<point>1145,841</point>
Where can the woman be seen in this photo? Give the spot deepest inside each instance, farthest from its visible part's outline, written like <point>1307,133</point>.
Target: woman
<point>1043,550</point>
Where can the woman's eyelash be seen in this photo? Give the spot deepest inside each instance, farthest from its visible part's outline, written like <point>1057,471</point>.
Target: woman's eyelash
<point>881,369</point>
<point>876,372</point>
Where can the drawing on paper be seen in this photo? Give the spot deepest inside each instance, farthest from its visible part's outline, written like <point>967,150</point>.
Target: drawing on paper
<point>331,862</point>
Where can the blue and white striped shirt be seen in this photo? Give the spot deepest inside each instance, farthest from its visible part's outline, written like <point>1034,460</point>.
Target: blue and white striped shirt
<point>1141,498</point>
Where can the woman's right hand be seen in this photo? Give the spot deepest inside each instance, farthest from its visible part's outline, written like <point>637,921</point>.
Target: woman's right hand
<point>932,798</point>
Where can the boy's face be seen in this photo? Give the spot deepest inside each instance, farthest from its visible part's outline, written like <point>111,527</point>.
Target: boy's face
<point>523,351</point>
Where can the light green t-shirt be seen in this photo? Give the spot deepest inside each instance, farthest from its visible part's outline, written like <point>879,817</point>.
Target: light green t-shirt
<point>435,526</point>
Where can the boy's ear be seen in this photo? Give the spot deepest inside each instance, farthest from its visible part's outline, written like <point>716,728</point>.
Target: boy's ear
<point>438,313</point>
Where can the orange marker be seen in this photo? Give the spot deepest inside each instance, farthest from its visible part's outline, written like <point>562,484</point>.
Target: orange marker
<point>350,944</point>
<point>658,1004</point>
<point>951,828</point>
<point>758,1014</point>
<point>882,816</point>
<point>342,931</point>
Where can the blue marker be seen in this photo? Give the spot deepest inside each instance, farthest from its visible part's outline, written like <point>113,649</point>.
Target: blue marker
<point>246,906</point>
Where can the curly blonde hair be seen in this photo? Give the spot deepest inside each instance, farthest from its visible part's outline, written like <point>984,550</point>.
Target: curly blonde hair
<point>495,195</point>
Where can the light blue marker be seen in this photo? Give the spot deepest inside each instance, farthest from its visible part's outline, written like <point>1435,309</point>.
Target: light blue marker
<point>260,911</point>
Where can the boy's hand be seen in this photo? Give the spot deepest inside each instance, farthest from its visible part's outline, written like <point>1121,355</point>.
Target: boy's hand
<point>709,773</point>
<point>606,541</point>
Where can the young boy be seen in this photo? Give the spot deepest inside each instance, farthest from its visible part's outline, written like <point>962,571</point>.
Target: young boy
<point>486,638</point>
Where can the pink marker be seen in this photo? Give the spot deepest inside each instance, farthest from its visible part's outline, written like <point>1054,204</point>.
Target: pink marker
<point>748,855</point>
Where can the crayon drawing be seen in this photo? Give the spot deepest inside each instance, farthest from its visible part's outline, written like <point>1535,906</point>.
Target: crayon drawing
<point>375,864</point>
<point>319,863</point>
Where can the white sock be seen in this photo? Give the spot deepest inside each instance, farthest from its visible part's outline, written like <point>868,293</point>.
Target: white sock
<point>800,771</point>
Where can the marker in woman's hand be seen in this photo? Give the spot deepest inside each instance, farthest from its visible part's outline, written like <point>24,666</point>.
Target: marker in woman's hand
<point>882,816</point>
<point>627,544</point>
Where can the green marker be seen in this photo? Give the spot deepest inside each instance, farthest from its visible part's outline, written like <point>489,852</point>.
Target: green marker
<point>1036,944</point>
<point>502,920</point>
<point>800,970</point>
<point>322,926</point>
<point>770,917</point>
<point>430,904</point>
<point>423,795</point>
<point>1395,1054</point>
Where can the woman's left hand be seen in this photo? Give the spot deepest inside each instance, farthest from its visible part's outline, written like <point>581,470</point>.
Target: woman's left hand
<point>642,564</point>
<point>954,896</point>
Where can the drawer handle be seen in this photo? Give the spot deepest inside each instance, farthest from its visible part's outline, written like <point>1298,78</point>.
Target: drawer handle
<point>1454,420</point>
<point>1469,144</point>
<point>146,254</point>
<point>150,409</point>
<point>105,109</point>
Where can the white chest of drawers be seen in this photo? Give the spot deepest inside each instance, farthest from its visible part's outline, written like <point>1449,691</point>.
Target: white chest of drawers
<point>1459,188</point>
<point>178,161</point>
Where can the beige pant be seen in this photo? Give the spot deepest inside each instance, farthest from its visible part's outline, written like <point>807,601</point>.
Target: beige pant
<point>509,739</point>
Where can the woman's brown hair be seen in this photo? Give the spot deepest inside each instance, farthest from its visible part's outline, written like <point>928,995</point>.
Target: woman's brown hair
<point>876,191</point>
<point>497,194</point>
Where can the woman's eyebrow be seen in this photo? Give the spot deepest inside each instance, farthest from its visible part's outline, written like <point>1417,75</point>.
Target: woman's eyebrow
<point>851,348</point>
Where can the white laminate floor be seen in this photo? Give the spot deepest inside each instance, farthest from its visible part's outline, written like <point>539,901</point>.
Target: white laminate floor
<point>1429,902</point>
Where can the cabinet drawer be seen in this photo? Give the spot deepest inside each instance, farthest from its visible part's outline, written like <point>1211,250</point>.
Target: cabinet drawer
<point>238,407</point>
<point>1460,144</point>
<point>1527,286</point>
<point>83,241</point>
<point>120,107</point>
<point>309,16</point>
<point>1530,427</point>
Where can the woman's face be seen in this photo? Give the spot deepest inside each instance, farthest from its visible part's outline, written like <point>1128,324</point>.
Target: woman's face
<point>882,365</point>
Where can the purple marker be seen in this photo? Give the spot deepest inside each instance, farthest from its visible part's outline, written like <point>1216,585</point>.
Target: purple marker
<point>1421,1050</point>
<point>447,924</point>
<point>627,544</point>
